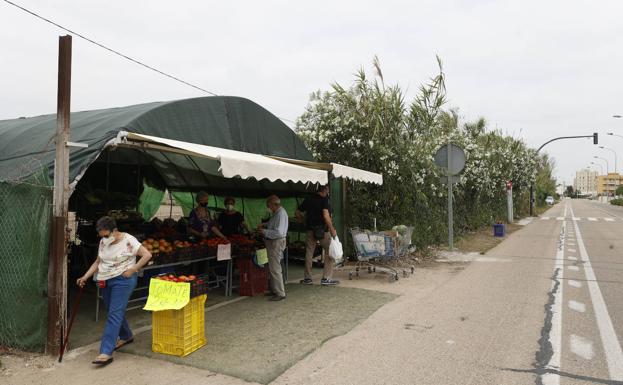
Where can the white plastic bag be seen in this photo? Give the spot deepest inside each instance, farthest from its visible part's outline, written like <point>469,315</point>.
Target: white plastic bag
<point>335,250</point>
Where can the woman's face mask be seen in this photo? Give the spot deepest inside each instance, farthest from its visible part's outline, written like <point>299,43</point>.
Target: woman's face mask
<point>108,240</point>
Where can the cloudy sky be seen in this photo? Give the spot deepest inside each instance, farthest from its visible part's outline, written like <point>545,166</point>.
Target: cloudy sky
<point>536,69</point>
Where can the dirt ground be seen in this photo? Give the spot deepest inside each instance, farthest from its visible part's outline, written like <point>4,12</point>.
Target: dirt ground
<point>25,368</point>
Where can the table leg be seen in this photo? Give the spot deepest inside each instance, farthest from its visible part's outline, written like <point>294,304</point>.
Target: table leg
<point>228,283</point>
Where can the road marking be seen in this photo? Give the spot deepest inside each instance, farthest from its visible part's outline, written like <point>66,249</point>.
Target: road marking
<point>612,347</point>
<point>555,333</point>
<point>577,306</point>
<point>575,218</point>
<point>609,219</point>
<point>574,268</point>
<point>560,218</point>
<point>544,218</point>
<point>575,283</point>
<point>573,258</point>
<point>572,250</point>
<point>592,219</point>
<point>582,347</point>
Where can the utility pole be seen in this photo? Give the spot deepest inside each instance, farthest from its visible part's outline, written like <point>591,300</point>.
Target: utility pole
<point>57,265</point>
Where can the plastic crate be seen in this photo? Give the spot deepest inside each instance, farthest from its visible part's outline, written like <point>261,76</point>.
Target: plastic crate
<point>253,279</point>
<point>179,332</point>
<point>199,286</point>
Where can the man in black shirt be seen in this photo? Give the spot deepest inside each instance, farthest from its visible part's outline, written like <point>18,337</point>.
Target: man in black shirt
<point>231,221</point>
<point>319,228</point>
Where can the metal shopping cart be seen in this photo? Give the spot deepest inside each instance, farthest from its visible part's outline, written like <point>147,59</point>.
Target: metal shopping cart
<point>380,250</point>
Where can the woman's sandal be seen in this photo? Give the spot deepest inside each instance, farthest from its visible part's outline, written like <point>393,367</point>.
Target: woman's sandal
<point>123,343</point>
<point>102,362</point>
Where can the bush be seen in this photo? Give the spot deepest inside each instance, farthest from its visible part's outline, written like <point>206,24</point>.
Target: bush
<point>617,202</point>
<point>370,126</point>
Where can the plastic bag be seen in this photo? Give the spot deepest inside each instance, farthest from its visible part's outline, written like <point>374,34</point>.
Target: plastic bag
<point>335,250</point>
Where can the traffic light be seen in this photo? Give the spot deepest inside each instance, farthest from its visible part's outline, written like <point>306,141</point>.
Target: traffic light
<point>595,138</point>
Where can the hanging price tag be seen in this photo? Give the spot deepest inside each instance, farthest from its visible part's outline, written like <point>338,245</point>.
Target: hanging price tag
<point>224,252</point>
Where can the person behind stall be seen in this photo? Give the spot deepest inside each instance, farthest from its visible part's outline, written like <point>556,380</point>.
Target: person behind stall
<point>275,232</point>
<point>117,271</point>
<point>319,226</point>
<point>200,222</point>
<point>230,221</point>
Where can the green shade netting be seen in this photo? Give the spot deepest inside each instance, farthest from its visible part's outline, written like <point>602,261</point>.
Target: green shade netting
<point>150,201</point>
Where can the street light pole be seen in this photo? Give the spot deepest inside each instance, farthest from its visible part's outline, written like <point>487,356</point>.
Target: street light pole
<point>600,166</point>
<point>595,141</point>
<point>615,156</point>
<point>606,160</point>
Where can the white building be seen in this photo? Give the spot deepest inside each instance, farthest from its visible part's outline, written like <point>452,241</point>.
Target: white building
<point>585,181</point>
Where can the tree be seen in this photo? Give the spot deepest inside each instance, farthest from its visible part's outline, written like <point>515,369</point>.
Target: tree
<point>569,192</point>
<point>370,125</point>
<point>619,191</point>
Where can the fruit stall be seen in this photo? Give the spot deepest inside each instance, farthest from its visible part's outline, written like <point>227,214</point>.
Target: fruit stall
<point>135,157</point>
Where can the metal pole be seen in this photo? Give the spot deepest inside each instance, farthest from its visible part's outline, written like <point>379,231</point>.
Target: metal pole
<point>509,204</point>
<point>605,160</point>
<point>57,265</point>
<point>450,208</point>
<point>594,136</point>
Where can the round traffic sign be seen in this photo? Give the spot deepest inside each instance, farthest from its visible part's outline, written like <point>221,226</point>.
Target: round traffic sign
<point>456,161</point>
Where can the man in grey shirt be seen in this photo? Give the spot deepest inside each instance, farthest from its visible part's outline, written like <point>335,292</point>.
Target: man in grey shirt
<point>275,232</point>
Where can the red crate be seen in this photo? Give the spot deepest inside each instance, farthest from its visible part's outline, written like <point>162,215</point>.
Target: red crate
<point>253,279</point>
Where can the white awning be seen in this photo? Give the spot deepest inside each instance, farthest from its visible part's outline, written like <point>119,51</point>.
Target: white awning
<point>232,163</point>
<point>338,170</point>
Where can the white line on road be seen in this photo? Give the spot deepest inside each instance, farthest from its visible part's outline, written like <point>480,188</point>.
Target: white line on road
<point>577,306</point>
<point>592,219</point>
<point>582,347</point>
<point>612,347</point>
<point>575,218</point>
<point>574,268</point>
<point>609,219</point>
<point>572,250</point>
<point>560,218</point>
<point>573,258</point>
<point>555,333</point>
<point>574,283</point>
<point>544,218</point>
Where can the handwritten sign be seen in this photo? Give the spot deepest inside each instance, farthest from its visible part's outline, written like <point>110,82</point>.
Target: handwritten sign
<point>262,256</point>
<point>165,295</point>
<point>224,252</point>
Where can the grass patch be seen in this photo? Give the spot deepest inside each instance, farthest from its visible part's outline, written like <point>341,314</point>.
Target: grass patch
<point>482,240</point>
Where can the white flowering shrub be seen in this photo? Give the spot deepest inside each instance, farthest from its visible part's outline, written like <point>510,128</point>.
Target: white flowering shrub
<point>371,126</point>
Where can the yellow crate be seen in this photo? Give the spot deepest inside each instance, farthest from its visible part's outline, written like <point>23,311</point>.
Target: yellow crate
<point>179,332</point>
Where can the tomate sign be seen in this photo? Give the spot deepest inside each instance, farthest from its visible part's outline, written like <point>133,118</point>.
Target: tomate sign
<point>166,295</point>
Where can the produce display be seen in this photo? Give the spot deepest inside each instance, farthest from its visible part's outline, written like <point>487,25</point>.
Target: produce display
<point>155,246</point>
<point>165,251</point>
<point>181,278</point>
<point>198,284</point>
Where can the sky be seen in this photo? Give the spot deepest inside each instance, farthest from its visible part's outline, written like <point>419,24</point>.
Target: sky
<point>535,69</point>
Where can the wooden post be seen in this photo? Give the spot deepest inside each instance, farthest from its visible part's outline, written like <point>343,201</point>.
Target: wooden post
<point>57,265</point>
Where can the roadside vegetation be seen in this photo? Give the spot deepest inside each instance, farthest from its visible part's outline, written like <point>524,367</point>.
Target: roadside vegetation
<point>371,125</point>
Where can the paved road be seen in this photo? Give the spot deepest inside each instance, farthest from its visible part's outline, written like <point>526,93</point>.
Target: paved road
<point>541,308</point>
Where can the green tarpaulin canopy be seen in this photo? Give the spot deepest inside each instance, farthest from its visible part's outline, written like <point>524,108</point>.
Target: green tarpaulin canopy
<point>27,144</point>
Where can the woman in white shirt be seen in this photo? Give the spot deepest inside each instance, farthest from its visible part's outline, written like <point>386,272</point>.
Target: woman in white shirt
<point>117,272</point>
